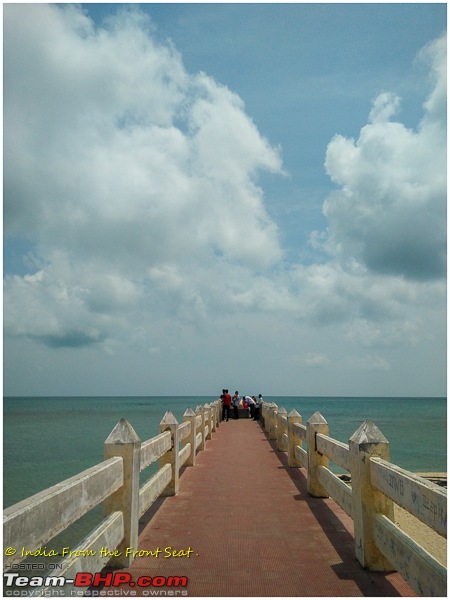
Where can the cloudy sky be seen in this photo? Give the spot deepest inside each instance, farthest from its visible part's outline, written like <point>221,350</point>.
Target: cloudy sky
<point>249,196</point>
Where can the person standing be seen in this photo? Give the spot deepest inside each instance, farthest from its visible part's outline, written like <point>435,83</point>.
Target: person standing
<point>226,403</point>
<point>251,405</point>
<point>258,407</point>
<point>236,400</point>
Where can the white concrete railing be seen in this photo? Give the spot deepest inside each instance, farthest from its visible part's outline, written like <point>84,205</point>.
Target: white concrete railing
<point>380,545</point>
<point>115,482</point>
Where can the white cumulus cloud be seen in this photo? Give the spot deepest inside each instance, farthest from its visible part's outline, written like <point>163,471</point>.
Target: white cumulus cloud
<point>132,178</point>
<point>389,212</point>
<point>134,188</point>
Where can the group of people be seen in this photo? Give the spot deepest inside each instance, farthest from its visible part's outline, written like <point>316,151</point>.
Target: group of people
<point>247,402</point>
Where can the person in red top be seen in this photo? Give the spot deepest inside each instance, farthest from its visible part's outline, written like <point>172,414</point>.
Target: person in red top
<point>226,403</point>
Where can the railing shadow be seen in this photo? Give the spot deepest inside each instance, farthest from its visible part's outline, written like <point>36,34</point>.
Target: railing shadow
<point>153,508</point>
<point>369,582</point>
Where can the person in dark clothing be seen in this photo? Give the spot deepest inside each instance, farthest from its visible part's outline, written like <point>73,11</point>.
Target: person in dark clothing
<point>226,403</point>
<point>257,408</point>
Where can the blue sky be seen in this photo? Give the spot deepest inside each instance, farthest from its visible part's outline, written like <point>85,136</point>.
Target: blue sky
<point>201,196</point>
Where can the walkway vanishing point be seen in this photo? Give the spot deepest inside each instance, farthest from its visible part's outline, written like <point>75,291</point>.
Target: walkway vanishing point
<point>236,508</point>
<point>253,528</point>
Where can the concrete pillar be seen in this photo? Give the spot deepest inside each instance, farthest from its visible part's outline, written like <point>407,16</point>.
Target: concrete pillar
<point>213,415</point>
<point>368,441</point>
<point>282,444</point>
<point>201,411</point>
<point>267,419</point>
<point>263,414</point>
<point>169,423</point>
<point>293,417</point>
<point>219,414</point>
<point>219,411</point>
<point>189,415</point>
<point>273,421</point>
<point>123,441</point>
<point>208,420</point>
<point>316,424</point>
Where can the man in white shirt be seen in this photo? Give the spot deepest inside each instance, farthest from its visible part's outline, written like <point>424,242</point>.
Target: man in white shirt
<point>235,401</point>
<point>251,405</point>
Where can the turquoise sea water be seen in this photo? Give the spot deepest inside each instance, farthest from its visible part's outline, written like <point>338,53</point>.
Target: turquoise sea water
<point>47,440</point>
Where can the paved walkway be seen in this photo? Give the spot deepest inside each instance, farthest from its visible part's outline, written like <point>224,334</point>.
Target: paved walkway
<point>253,528</point>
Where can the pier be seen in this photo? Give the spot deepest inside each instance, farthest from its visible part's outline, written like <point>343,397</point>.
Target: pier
<point>242,508</point>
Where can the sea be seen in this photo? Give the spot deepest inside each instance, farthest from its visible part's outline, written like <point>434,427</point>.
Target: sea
<point>47,440</point>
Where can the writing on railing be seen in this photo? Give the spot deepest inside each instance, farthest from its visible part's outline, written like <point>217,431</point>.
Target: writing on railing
<point>375,484</point>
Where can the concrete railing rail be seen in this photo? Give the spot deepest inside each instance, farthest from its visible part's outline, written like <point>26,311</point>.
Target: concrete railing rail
<point>115,483</point>
<point>376,484</point>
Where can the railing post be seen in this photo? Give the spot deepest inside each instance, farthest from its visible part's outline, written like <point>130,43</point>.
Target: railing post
<point>263,415</point>
<point>208,420</point>
<point>266,416</point>
<point>189,415</point>
<point>293,440</point>
<point>201,411</point>
<point>219,411</point>
<point>367,501</point>
<point>212,409</point>
<point>282,444</point>
<point>171,457</point>
<point>273,421</point>
<point>123,441</point>
<point>213,406</point>
<point>316,424</point>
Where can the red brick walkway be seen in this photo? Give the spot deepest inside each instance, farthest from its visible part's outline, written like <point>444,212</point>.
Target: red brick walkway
<point>253,529</point>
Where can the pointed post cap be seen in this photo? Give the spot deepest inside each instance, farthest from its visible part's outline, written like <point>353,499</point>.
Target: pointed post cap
<point>123,433</point>
<point>168,419</point>
<point>294,413</point>
<point>189,412</point>
<point>199,408</point>
<point>368,433</point>
<point>317,419</point>
<point>282,411</point>
<point>206,405</point>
